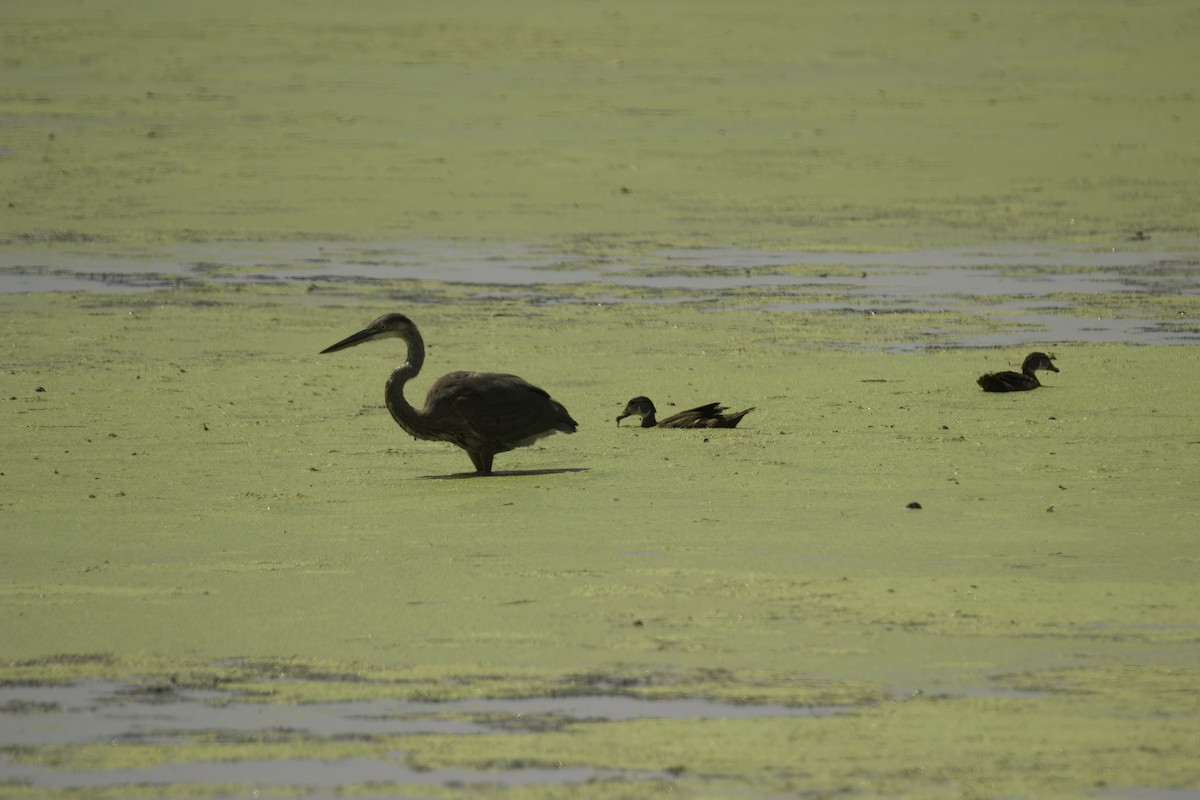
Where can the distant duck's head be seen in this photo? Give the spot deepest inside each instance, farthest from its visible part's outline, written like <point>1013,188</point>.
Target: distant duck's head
<point>1036,361</point>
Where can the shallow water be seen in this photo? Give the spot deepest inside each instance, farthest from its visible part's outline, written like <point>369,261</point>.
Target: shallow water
<point>1032,292</point>
<point>297,772</point>
<point>99,711</point>
<point>104,711</point>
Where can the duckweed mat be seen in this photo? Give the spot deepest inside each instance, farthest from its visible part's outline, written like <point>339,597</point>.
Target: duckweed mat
<point>195,501</point>
<point>221,553</point>
<point>619,125</point>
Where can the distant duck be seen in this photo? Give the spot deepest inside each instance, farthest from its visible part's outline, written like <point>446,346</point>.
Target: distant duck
<point>707,416</point>
<point>1021,381</point>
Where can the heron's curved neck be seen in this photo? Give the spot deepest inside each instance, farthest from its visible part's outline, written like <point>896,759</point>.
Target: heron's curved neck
<point>402,411</point>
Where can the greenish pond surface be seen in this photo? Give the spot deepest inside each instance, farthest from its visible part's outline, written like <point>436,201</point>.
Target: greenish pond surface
<point>609,125</point>
<point>225,563</point>
<point>194,498</point>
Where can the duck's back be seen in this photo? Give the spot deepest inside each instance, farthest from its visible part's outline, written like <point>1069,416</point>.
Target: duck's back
<point>1007,382</point>
<point>705,416</point>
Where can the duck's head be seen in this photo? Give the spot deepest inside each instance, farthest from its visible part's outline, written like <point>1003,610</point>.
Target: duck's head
<point>1036,361</point>
<point>638,407</point>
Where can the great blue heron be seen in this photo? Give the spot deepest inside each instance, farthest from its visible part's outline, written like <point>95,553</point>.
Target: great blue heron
<point>484,413</point>
<point>707,416</point>
<point>1021,381</point>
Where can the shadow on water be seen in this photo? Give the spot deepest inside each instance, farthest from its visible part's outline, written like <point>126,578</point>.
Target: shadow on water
<point>104,712</point>
<point>503,473</point>
<point>1029,289</point>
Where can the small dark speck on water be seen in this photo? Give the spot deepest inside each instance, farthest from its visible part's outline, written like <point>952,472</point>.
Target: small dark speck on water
<point>914,504</point>
<point>40,389</point>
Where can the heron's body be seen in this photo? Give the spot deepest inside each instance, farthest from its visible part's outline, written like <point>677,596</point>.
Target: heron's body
<point>706,416</point>
<point>1021,381</point>
<point>484,413</point>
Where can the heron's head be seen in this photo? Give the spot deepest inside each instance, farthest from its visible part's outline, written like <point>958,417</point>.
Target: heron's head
<point>1035,361</point>
<point>638,407</point>
<point>389,326</point>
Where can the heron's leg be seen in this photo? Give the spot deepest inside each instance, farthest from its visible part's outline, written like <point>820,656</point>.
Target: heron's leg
<point>482,459</point>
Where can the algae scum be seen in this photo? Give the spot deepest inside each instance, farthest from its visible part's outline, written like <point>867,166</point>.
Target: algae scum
<point>227,573</point>
<point>236,576</point>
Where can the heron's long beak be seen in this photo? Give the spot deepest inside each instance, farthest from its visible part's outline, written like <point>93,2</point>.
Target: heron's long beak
<point>623,416</point>
<point>355,338</point>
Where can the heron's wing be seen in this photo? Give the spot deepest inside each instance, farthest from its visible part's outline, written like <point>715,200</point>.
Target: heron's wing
<point>505,409</point>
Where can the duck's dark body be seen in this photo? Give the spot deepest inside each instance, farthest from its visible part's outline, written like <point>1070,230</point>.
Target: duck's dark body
<point>1021,381</point>
<point>706,416</point>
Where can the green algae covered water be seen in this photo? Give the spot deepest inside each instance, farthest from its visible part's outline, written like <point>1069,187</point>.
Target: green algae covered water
<point>195,498</point>
<point>226,571</point>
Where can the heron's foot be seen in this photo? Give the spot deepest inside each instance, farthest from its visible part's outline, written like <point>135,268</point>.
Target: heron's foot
<point>482,461</point>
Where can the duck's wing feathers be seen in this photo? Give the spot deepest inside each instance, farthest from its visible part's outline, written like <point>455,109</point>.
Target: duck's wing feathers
<point>731,420</point>
<point>693,417</point>
<point>1007,382</point>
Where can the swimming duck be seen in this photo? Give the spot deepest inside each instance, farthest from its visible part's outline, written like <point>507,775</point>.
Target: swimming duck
<point>1021,381</point>
<point>707,416</point>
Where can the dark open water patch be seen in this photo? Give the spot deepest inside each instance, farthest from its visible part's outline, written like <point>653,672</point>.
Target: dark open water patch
<point>1149,793</point>
<point>105,712</point>
<point>309,774</point>
<point>1027,289</point>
